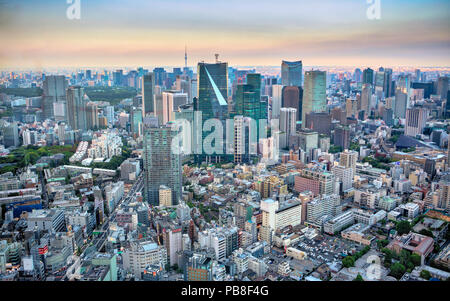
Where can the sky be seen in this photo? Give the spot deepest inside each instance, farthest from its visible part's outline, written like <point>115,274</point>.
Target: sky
<point>114,33</point>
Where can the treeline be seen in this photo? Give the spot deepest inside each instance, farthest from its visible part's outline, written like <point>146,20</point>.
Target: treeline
<point>112,95</point>
<point>24,92</point>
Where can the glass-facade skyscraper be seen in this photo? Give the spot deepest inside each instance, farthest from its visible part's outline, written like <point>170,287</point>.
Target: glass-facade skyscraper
<point>54,91</point>
<point>314,94</point>
<point>291,73</point>
<point>161,165</point>
<point>248,98</point>
<point>148,90</point>
<point>76,108</point>
<point>368,75</point>
<point>212,94</point>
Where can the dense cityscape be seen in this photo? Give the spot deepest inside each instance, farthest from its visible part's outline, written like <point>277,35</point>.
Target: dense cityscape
<point>356,167</point>
<point>215,171</point>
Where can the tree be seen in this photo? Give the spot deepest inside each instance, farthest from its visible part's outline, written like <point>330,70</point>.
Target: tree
<point>382,243</point>
<point>404,257</point>
<point>358,278</point>
<point>403,227</point>
<point>425,274</point>
<point>79,251</point>
<point>416,259</point>
<point>426,232</point>
<point>397,270</point>
<point>348,261</point>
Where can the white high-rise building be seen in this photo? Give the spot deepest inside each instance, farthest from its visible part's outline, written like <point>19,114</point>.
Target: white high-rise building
<point>416,119</point>
<point>277,216</point>
<point>171,101</point>
<point>277,94</point>
<point>288,119</point>
<point>345,176</point>
<point>110,114</point>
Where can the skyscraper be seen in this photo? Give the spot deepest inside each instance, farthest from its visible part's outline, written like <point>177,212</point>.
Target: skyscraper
<point>357,75</point>
<point>388,82</point>
<point>76,108</point>
<point>136,120</point>
<point>291,73</point>
<point>11,135</point>
<point>212,98</point>
<point>109,112</point>
<point>368,76</point>
<point>54,90</point>
<point>243,138</point>
<point>416,119</point>
<point>314,94</point>
<point>366,94</point>
<point>401,102</point>
<point>161,165</point>
<point>348,159</point>
<point>287,120</point>
<point>342,136</point>
<point>171,101</point>
<point>292,98</point>
<point>277,95</point>
<point>91,115</point>
<point>148,90</point>
<point>442,87</point>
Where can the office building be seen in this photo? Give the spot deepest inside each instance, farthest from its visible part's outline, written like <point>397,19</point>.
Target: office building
<point>314,94</point>
<point>342,136</point>
<point>171,101</point>
<point>292,98</point>
<point>148,92</point>
<point>92,116</point>
<point>368,76</point>
<point>11,135</point>
<point>162,166</point>
<point>54,91</point>
<point>348,159</point>
<point>212,93</point>
<point>139,255</point>
<point>76,108</point>
<point>278,215</point>
<point>319,122</point>
<point>291,73</point>
<point>416,119</point>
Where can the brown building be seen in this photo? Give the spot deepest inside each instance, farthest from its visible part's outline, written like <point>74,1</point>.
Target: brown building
<point>292,98</point>
<point>415,243</point>
<point>319,122</point>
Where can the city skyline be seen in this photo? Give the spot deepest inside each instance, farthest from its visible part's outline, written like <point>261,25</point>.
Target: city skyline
<point>109,33</point>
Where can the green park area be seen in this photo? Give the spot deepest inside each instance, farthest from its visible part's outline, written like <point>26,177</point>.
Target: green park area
<point>25,155</point>
<point>113,95</point>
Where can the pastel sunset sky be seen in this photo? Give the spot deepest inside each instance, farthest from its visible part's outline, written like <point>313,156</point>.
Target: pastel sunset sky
<point>38,34</point>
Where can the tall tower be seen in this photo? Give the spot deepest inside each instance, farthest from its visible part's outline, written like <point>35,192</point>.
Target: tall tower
<point>162,166</point>
<point>148,91</point>
<point>185,56</point>
<point>76,108</point>
<point>54,91</point>
<point>212,91</point>
<point>314,94</point>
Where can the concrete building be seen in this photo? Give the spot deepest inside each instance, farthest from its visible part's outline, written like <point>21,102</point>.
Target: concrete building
<point>139,255</point>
